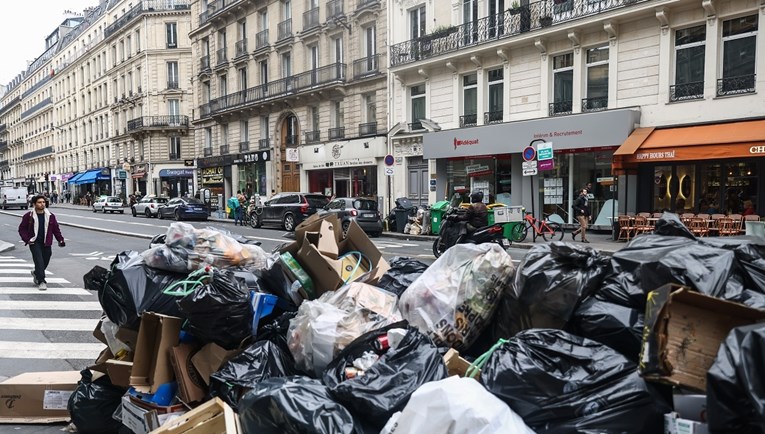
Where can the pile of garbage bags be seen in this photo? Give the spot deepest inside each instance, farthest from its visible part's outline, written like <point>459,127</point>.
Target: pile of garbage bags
<point>550,346</point>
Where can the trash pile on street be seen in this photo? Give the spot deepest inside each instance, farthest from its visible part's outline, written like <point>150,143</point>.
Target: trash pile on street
<point>209,333</point>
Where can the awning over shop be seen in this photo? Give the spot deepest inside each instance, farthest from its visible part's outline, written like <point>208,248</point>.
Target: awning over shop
<point>701,142</point>
<point>73,179</point>
<point>90,177</point>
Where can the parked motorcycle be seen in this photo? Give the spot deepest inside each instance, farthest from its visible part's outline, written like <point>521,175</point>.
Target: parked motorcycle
<point>451,234</point>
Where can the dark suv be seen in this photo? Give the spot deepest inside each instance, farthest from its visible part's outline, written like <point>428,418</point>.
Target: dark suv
<point>361,209</point>
<point>288,209</point>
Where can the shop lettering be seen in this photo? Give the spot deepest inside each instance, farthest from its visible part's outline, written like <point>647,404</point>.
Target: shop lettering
<point>470,142</point>
<point>551,134</point>
<point>757,150</point>
<point>655,155</point>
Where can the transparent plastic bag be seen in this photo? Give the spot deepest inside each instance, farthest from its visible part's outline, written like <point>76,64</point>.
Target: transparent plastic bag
<point>163,257</point>
<point>215,247</point>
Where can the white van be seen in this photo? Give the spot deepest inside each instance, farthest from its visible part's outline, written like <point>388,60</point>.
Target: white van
<point>13,197</point>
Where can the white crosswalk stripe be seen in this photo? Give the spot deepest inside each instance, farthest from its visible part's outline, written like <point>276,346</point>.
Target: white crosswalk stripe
<point>33,323</point>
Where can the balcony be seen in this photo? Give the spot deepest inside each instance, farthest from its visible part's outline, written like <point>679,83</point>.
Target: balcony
<point>734,85</point>
<point>204,63</point>
<point>284,30</point>
<point>4,164</point>
<point>222,57</point>
<point>292,140</point>
<point>214,9</point>
<point>203,18</point>
<point>368,129</point>
<point>468,120</point>
<point>145,6</point>
<point>493,117</point>
<point>261,40</point>
<point>313,136</point>
<point>175,122</point>
<point>311,19</point>
<point>3,145</point>
<point>264,144</point>
<point>172,84</point>
<point>241,48</point>
<point>3,128</point>
<point>38,153</point>
<point>244,146</point>
<point>512,22</point>
<point>334,8</point>
<point>415,126</point>
<point>594,104</point>
<point>223,149</point>
<point>309,80</point>
<point>208,151</point>
<point>174,156</point>
<point>560,108</point>
<point>360,4</point>
<point>366,66</point>
<point>686,91</point>
<point>32,110</point>
<point>336,133</point>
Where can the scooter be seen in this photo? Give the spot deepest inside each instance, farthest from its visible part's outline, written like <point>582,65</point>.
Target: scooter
<point>451,234</point>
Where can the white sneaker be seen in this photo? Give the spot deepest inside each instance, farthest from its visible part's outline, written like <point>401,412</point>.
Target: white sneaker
<point>42,286</point>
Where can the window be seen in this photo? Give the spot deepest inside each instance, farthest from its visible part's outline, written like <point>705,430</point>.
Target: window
<point>172,75</point>
<point>563,84</point>
<point>174,108</point>
<point>223,85</point>
<point>370,41</point>
<point>370,108</point>
<point>337,50</point>
<point>314,118</point>
<point>469,100</point>
<point>208,138</point>
<point>138,41</point>
<point>417,22</point>
<point>206,91</point>
<point>689,63</point>
<point>496,90</point>
<point>497,17</point>
<point>338,114</point>
<point>263,72</point>
<point>244,131</point>
<point>242,29</point>
<point>129,46</point>
<point>286,65</point>
<point>224,134</point>
<point>263,19</point>
<point>597,79</point>
<point>287,9</point>
<point>171,29</point>
<point>264,132</point>
<point>243,78</point>
<point>470,20</point>
<point>738,62</point>
<point>175,148</point>
<point>417,96</point>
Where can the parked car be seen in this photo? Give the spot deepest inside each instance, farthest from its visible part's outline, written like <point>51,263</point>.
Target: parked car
<point>182,208</point>
<point>288,210</point>
<point>14,197</point>
<point>148,206</point>
<point>108,203</point>
<point>361,209</point>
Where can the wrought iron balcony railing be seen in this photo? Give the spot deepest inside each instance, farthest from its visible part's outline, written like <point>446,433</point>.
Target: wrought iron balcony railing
<point>292,140</point>
<point>367,129</point>
<point>261,40</point>
<point>513,21</point>
<point>145,6</point>
<point>735,85</point>
<point>594,104</point>
<point>264,144</point>
<point>208,151</point>
<point>560,108</point>
<point>241,48</point>
<point>223,149</point>
<point>334,8</point>
<point>174,156</point>
<point>366,66</point>
<point>215,8</point>
<point>312,136</point>
<point>221,56</point>
<point>686,91</point>
<point>244,146</point>
<point>284,30</point>
<point>311,19</point>
<point>493,117</point>
<point>364,3</point>
<point>336,133</point>
<point>167,121</point>
<point>468,120</point>
<point>172,84</point>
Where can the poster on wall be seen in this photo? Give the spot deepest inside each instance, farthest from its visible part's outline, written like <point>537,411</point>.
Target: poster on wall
<point>553,191</point>
<point>482,186</point>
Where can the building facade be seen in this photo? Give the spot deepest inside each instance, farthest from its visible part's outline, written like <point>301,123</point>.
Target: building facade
<point>291,96</point>
<point>474,84</point>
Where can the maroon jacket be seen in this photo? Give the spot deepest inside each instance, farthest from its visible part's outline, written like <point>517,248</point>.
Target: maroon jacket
<point>27,228</point>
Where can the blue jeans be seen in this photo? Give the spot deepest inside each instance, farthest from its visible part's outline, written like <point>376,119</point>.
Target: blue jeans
<point>238,216</point>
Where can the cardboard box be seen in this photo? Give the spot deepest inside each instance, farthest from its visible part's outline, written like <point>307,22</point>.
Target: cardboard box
<point>673,424</point>
<point>210,358</point>
<point>683,331</point>
<point>191,387</point>
<point>456,365</point>
<point>142,419</point>
<point>157,335</point>
<point>212,417</point>
<point>38,397</point>
<point>319,246</point>
<point>119,372</point>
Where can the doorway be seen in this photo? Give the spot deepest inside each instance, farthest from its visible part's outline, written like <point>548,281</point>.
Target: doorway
<point>290,169</point>
<point>417,187</point>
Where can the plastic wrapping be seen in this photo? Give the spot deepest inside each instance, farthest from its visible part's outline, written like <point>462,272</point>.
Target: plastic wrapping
<point>211,246</point>
<point>163,257</point>
<point>387,385</point>
<point>260,361</point>
<point>736,384</point>
<point>455,297</point>
<point>403,271</point>
<point>219,311</point>
<point>323,327</point>
<point>293,405</point>
<point>456,406</point>
<point>561,383</point>
<point>109,330</point>
<point>92,403</point>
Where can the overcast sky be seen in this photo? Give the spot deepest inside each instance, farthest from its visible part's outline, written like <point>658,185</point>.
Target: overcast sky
<point>23,28</point>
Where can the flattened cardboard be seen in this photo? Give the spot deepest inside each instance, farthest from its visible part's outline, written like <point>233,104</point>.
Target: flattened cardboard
<point>683,332</point>
<point>157,335</point>
<point>37,397</point>
<point>212,417</point>
<point>210,358</point>
<point>456,365</point>
<point>191,386</point>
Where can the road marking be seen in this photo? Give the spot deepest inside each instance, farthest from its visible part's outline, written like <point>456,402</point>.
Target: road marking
<point>108,220</point>
<point>48,280</point>
<point>19,271</point>
<point>6,260</point>
<point>283,240</point>
<point>87,254</point>
<point>25,290</point>
<point>59,324</point>
<point>49,350</point>
<point>49,305</point>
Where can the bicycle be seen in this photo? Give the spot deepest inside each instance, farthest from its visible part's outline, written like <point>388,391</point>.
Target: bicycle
<point>549,231</point>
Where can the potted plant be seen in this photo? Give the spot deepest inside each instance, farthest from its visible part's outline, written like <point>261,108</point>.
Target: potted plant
<point>515,8</point>
<point>441,31</point>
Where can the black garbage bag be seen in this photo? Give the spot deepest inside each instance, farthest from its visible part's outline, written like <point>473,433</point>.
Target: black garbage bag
<point>736,384</point>
<point>619,327</point>
<point>260,361</point>
<point>92,404</point>
<point>276,331</point>
<point>669,224</point>
<point>384,388</point>
<point>132,288</point>
<point>274,281</point>
<point>750,254</point>
<point>219,311</point>
<point>561,383</point>
<point>403,271</point>
<point>95,279</point>
<point>293,405</point>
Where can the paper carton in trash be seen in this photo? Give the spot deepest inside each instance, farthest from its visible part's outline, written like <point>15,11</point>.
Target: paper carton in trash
<point>157,335</point>
<point>37,397</point>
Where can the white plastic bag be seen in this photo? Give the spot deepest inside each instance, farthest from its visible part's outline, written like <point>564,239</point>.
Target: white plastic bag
<point>455,297</point>
<point>209,246</point>
<point>455,406</point>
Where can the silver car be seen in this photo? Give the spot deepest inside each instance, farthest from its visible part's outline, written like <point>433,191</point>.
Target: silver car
<point>108,203</point>
<point>148,206</point>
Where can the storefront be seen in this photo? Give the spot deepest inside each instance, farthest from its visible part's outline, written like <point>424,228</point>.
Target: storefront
<point>252,172</point>
<point>95,181</point>
<point>140,179</point>
<point>214,174</point>
<point>488,158</point>
<point>711,168</point>
<point>344,169</point>
<point>176,182</point>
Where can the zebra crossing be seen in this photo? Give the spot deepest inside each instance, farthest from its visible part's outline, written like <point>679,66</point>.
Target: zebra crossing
<point>54,324</point>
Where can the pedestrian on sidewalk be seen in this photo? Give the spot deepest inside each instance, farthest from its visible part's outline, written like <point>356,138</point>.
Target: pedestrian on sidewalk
<point>233,205</point>
<point>37,229</point>
<point>581,210</point>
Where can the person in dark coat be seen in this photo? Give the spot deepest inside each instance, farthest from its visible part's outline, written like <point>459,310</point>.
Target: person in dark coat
<point>37,230</point>
<point>581,210</point>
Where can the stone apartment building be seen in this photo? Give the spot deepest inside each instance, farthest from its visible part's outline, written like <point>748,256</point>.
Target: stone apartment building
<point>291,96</point>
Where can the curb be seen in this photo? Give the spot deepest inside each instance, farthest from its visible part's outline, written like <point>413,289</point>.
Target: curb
<point>90,228</point>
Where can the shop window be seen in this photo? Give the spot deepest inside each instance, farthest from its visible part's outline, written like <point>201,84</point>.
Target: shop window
<point>417,22</point>
<point>417,100</point>
<point>738,61</point>
<point>689,63</point>
<point>469,116</point>
<point>496,96</point>
<point>563,84</point>
<point>597,80</point>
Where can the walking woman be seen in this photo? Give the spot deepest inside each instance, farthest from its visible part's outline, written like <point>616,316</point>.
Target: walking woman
<point>37,229</point>
<point>582,212</point>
